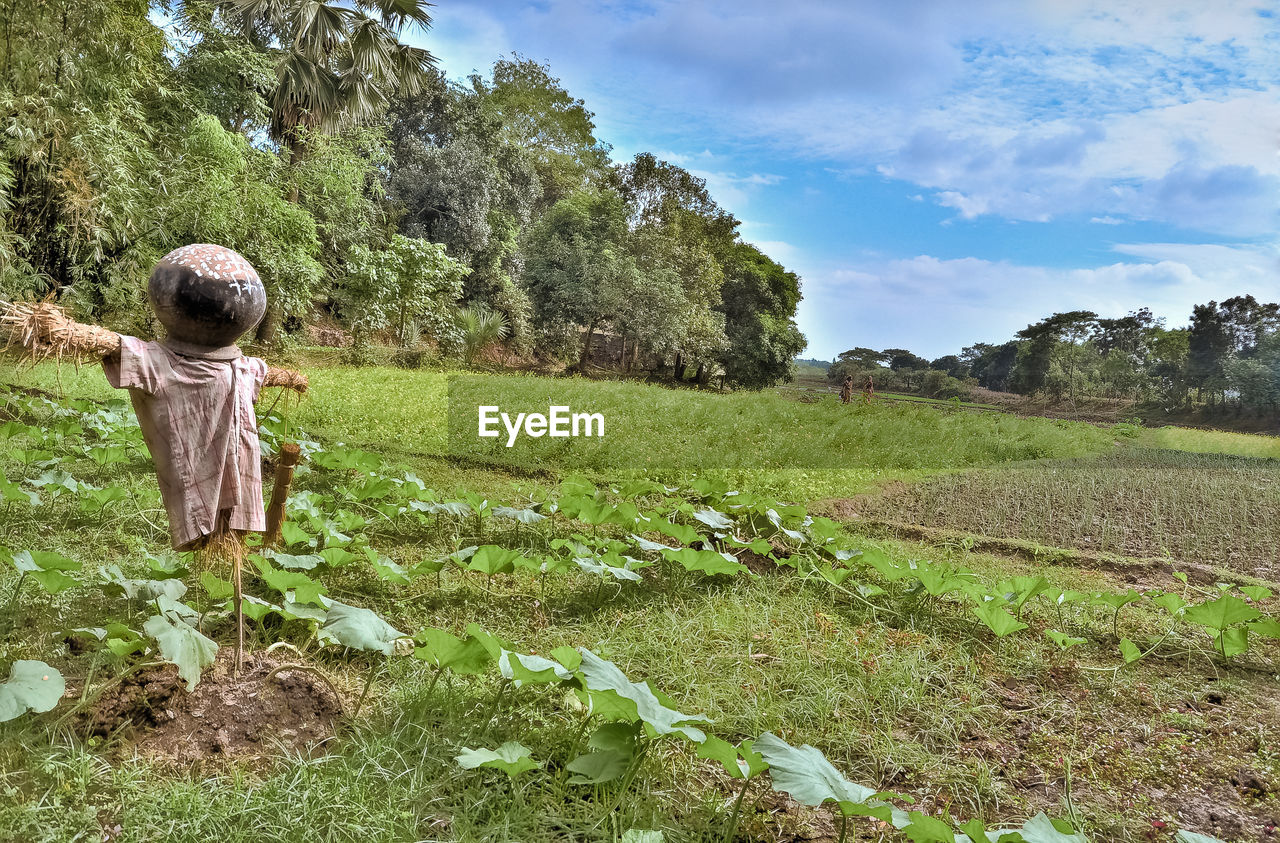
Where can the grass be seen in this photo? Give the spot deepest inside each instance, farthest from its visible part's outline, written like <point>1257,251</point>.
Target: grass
<point>914,699</point>
<point>1212,442</point>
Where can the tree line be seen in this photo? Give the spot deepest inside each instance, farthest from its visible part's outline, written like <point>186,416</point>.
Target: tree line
<point>365,186</point>
<point>1227,356</point>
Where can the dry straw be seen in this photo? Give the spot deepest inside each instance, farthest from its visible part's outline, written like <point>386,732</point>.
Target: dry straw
<point>43,330</point>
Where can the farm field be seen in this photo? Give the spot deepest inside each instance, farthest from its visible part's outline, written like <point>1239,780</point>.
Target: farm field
<point>1124,699</point>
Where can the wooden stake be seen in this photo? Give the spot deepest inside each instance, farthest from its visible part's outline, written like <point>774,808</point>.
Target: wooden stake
<point>290,454</point>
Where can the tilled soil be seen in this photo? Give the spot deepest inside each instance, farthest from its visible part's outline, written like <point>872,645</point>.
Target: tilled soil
<point>225,717</point>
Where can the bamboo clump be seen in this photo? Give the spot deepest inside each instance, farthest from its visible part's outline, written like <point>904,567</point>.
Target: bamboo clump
<point>43,330</point>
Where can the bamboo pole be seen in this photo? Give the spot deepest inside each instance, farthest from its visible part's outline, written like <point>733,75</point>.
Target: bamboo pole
<point>290,454</point>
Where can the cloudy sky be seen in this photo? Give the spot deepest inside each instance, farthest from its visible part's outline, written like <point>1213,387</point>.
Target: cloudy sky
<point>941,173</point>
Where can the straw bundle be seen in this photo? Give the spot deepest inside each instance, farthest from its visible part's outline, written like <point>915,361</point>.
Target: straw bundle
<point>45,330</point>
<point>286,378</point>
<point>222,550</point>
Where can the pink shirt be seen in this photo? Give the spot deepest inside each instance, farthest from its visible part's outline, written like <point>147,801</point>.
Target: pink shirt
<point>198,422</point>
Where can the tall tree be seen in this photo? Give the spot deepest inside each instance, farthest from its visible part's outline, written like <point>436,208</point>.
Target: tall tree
<point>1209,343</point>
<point>579,270</point>
<point>1056,339</point>
<point>539,115</point>
<point>337,65</point>
<point>759,301</point>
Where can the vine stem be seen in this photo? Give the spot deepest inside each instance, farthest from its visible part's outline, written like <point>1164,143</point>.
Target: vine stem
<point>368,683</point>
<point>737,812</point>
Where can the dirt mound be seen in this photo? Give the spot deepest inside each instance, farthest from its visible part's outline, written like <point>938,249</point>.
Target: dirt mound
<point>225,717</point>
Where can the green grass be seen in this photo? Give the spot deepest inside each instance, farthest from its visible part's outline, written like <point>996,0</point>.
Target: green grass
<point>1212,442</point>
<point>914,698</point>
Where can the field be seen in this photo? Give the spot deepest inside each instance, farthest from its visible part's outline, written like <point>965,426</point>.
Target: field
<point>1082,680</point>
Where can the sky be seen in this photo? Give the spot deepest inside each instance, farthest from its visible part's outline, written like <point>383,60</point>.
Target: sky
<point>941,173</point>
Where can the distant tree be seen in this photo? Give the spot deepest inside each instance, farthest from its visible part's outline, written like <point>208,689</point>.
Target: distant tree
<point>865,357</point>
<point>992,365</point>
<point>538,115</point>
<point>1168,365</point>
<point>1057,339</point>
<point>952,365</point>
<point>900,359</point>
<point>1209,343</point>
<point>410,287</point>
<point>1248,322</point>
<point>460,180</point>
<point>579,269</point>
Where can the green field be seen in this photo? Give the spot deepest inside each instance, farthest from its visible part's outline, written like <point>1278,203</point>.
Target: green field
<point>882,661</point>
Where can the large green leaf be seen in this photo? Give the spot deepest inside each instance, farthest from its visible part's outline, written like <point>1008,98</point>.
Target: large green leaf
<point>530,669</point>
<point>640,701</point>
<point>305,589</point>
<point>1041,829</point>
<point>181,645</point>
<point>599,767</point>
<point>806,774</point>
<point>442,649</point>
<point>997,619</point>
<point>491,559</point>
<point>739,762</point>
<point>32,686</point>
<point>1221,613</point>
<point>353,626</point>
<point>43,560</point>
<point>711,562</point>
<point>512,758</point>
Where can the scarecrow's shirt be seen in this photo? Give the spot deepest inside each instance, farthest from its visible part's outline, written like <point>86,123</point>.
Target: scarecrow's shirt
<point>198,422</point>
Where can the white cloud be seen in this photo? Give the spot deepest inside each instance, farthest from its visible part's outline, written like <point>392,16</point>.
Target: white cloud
<point>935,306</point>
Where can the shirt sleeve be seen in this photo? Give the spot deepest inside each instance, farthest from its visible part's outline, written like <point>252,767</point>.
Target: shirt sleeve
<point>257,367</point>
<point>135,367</point>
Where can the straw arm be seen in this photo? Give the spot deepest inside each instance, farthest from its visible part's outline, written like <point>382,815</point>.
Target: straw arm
<point>45,330</point>
<point>287,378</point>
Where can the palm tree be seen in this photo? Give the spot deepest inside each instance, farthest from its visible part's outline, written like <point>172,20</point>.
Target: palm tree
<point>339,63</point>
<point>481,328</point>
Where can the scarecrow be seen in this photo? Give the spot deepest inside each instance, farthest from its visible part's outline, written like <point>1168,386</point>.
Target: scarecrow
<point>193,392</point>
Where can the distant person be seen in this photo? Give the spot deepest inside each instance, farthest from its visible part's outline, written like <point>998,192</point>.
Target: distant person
<point>869,390</point>
<point>846,390</point>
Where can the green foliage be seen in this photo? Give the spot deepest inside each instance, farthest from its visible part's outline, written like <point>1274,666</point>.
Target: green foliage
<point>32,686</point>
<point>410,287</point>
<point>511,758</point>
<point>181,645</point>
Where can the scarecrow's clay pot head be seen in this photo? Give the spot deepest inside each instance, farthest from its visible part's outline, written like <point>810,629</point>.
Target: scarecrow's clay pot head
<point>206,297</point>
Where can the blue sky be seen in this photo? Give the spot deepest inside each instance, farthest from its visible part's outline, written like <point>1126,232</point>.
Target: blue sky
<point>941,173</point>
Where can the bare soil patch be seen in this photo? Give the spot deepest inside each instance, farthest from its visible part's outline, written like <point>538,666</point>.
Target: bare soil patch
<point>1185,509</point>
<point>226,717</point>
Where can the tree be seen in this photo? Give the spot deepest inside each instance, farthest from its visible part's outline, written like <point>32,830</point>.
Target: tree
<point>952,365</point>
<point>1248,322</point>
<point>1208,344</point>
<point>759,301</point>
<point>1057,339</point>
<point>336,66</point>
<point>460,180</point>
<point>538,115</point>
<point>900,359</point>
<point>579,269</point>
<point>412,286</point>
<point>1168,364</point>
